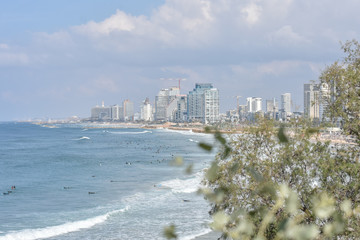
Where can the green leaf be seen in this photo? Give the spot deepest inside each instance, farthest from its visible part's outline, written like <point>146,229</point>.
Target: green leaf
<point>177,161</point>
<point>312,130</point>
<point>205,146</point>
<point>169,232</point>
<point>212,172</point>
<point>220,138</point>
<point>189,169</point>
<point>281,135</point>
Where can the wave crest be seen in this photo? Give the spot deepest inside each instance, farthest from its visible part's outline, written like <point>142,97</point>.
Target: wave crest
<point>47,232</point>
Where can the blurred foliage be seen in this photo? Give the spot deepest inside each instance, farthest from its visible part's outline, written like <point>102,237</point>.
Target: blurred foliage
<point>343,80</point>
<point>273,182</point>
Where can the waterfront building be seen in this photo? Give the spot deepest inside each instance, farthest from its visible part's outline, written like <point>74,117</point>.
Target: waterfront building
<point>203,104</point>
<point>115,112</point>
<point>128,110</point>
<point>100,113</point>
<point>211,108</point>
<point>176,110</point>
<point>146,111</point>
<point>162,101</point>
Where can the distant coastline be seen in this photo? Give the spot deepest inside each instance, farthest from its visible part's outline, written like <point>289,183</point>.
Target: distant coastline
<point>334,137</point>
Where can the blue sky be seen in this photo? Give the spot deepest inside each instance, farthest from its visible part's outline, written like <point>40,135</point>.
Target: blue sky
<point>60,58</point>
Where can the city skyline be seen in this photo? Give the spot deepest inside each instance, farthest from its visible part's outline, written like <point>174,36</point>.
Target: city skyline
<point>56,66</point>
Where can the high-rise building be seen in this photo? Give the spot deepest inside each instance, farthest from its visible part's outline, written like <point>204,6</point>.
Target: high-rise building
<point>146,111</point>
<point>162,101</point>
<point>101,112</point>
<point>254,104</point>
<point>203,103</point>
<point>272,106</point>
<point>286,102</point>
<point>324,98</point>
<point>128,110</point>
<point>311,100</point>
<point>211,108</point>
<point>115,112</point>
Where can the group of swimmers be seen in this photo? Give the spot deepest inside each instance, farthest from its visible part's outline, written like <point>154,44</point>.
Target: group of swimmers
<point>9,191</point>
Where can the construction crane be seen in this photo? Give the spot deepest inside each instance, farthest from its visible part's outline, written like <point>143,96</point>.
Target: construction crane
<point>176,79</point>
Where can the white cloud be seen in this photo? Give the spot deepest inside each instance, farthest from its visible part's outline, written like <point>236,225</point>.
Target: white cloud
<point>252,13</point>
<point>99,85</point>
<point>278,67</point>
<point>57,39</point>
<point>4,46</point>
<point>287,35</point>
<point>13,59</point>
<point>118,22</point>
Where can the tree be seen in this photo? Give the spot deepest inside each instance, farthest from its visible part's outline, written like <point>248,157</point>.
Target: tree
<point>266,184</point>
<point>343,80</point>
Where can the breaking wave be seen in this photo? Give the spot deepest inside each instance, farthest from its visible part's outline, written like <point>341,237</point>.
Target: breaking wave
<point>189,185</point>
<point>112,132</point>
<point>47,232</point>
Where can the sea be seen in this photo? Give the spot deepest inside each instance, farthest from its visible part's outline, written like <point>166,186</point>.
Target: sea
<point>72,181</point>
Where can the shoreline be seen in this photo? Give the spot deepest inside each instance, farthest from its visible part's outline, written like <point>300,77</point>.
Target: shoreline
<point>195,128</point>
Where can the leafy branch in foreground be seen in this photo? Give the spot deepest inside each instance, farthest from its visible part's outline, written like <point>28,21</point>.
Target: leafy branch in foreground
<point>276,183</point>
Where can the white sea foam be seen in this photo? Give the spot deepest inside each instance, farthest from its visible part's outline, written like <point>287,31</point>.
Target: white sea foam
<point>82,138</point>
<point>193,236</point>
<point>192,140</point>
<point>47,232</point>
<point>187,132</point>
<point>189,185</point>
<point>129,132</point>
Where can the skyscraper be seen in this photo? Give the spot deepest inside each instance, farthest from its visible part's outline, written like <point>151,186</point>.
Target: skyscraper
<point>272,106</point>
<point>146,111</point>
<point>162,101</point>
<point>128,110</point>
<point>324,98</point>
<point>254,104</point>
<point>311,100</point>
<point>203,103</point>
<point>101,112</point>
<point>286,102</point>
<point>115,112</point>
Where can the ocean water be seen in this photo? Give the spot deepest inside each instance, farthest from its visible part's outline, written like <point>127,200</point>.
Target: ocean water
<point>74,182</point>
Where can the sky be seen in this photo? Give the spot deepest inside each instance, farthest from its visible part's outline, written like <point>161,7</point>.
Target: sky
<point>60,58</point>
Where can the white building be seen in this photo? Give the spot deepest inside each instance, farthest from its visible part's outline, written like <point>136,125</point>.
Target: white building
<point>311,101</point>
<point>254,104</point>
<point>162,101</point>
<point>128,110</point>
<point>101,112</point>
<point>203,104</point>
<point>211,109</point>
<point>286,102</point>
<point>324,98</point>
<point>146,111</point>
<point>115,112</point>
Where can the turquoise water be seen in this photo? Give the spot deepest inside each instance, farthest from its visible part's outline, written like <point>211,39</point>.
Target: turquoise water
<point>134,190</point>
